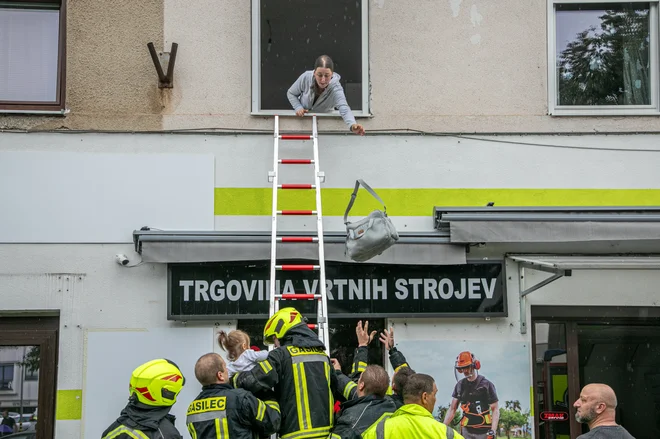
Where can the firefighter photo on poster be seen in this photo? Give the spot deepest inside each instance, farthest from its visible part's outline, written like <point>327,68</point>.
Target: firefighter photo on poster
<point>483,386</point>
<point>477,398</point>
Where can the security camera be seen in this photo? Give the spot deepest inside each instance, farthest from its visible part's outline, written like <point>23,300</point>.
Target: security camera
<point>122,259</point>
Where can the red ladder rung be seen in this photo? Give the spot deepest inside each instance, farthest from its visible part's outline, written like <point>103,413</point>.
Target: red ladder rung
<point>297,239</point>
<point>298,296</point>
<point>295,137</point>
<point>296,161</point>
<point>296,212</point>
<point>296,186</point>
<point>296,267</point>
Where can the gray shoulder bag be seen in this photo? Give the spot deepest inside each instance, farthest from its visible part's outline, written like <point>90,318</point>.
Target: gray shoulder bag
<point>372,235</point>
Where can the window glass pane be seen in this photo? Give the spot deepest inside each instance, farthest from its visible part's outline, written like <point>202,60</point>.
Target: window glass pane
<point>551,375</point>
<point>602,54</point>
<point>295,32</point>
<point>18,396</point>
<point>29,41</point>
<point>627,358</point>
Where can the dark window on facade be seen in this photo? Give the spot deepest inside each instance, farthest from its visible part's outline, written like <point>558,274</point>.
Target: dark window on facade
<point>291,34</point>
<point>32,49</point>
<point>6,376</point>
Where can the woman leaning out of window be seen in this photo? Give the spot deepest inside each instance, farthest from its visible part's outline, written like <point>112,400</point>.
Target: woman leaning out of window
<point>319,90</point>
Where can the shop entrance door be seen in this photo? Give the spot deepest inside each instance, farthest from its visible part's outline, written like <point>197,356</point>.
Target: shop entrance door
<point>604,347</point>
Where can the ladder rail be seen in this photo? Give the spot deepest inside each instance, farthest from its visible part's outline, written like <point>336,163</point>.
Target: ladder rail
<point>322,313</point>
<point>273,303</point>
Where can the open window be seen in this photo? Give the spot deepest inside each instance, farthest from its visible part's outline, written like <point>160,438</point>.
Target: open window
<point>32,50</point>
<point>603,58</point>
<point>288,36</point>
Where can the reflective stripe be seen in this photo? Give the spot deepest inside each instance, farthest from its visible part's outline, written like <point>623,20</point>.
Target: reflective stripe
<point>450,433</point>
<point>261,411</point>
<point>122,429</point>
<point>298,387</point>
<point>221,429</point>
<point>380,430</point>
<point>274,405</point>
<point>308,358</point>
<point>347,390</point>
<point>192,431</point>
<point>321,432</point>
<point>331,399</point>
<point>402,366</point>
<point>201,417</point>
<point>305,396</point>
<point>265,365</point>
<point>234,379</point>
<point>361,366</point>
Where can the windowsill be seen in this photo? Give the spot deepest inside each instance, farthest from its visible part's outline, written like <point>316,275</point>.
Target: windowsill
<point>589,112</point>
<point>62,112</point>
<point>357,114</point>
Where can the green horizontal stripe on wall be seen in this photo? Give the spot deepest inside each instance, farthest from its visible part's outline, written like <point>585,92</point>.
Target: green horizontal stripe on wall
<point>420,202</point>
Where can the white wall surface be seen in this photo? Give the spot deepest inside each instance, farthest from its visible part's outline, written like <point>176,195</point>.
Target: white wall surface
<point>101,197</point>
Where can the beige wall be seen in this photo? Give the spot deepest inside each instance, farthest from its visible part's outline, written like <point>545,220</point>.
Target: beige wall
<point>449,66</point>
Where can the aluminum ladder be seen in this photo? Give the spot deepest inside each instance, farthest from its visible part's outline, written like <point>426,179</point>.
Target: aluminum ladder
<point>319,294</point>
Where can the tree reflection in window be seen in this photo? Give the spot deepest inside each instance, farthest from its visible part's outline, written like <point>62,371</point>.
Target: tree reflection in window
<point>608,62</point>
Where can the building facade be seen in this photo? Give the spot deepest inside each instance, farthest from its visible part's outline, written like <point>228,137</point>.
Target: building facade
<point>465,104</point>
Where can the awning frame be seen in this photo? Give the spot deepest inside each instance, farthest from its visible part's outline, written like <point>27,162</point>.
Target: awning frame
<point>563,266</point>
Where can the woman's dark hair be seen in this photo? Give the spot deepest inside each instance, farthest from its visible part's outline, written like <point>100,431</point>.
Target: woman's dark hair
<point>324,61</point>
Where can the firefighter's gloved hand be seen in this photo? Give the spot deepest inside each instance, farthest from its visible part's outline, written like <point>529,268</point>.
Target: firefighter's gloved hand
<point>490,434</point>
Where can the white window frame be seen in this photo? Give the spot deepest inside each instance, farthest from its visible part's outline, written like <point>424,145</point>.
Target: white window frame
<point>604,110</point>
<point>256,67</point>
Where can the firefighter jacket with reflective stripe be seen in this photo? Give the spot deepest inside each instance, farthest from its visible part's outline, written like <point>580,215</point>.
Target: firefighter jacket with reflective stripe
<point>222,412</point>
<point>410,421</point>
<point>300,373</point>
<point>140,421</point>
<point>361,413</point>
<point>397,360</point>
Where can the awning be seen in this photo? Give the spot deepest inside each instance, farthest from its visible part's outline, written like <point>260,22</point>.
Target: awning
<point>543,224</point>
<point>185,246</point>
<point>563,265</point>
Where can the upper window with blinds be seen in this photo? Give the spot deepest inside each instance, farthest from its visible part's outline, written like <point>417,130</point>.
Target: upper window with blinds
<point>32,40</point>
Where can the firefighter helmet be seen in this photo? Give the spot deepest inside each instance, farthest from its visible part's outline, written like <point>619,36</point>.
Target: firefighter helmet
<point>280,323</point>
<point>157,383</point>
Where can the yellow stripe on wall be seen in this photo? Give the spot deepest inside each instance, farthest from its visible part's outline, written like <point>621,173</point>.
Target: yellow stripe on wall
<point>420,202</point>
<point>69,405</point>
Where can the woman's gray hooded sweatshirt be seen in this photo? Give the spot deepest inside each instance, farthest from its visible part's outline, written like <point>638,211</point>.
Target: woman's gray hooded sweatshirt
<point>301,95</point>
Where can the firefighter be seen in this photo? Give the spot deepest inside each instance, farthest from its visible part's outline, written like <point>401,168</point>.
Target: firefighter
<point>414,419</point>
<point>220,411</point>
<point>299,371</point>
<point>153,389</point>
<point>369,407</point>
<point>477,397</point>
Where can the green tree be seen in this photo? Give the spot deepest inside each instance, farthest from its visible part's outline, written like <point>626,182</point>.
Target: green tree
<point>31,359</point>
<point>442,412</point>
<point>512,416</point>
<point>609,64</point>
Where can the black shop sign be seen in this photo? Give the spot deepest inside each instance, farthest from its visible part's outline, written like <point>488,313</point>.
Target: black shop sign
<point>242,289</point>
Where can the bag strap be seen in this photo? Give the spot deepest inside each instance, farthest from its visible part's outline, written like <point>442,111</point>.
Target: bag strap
<point>354,195</point>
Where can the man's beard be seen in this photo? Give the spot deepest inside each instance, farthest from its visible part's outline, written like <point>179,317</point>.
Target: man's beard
<point>587,417</point>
